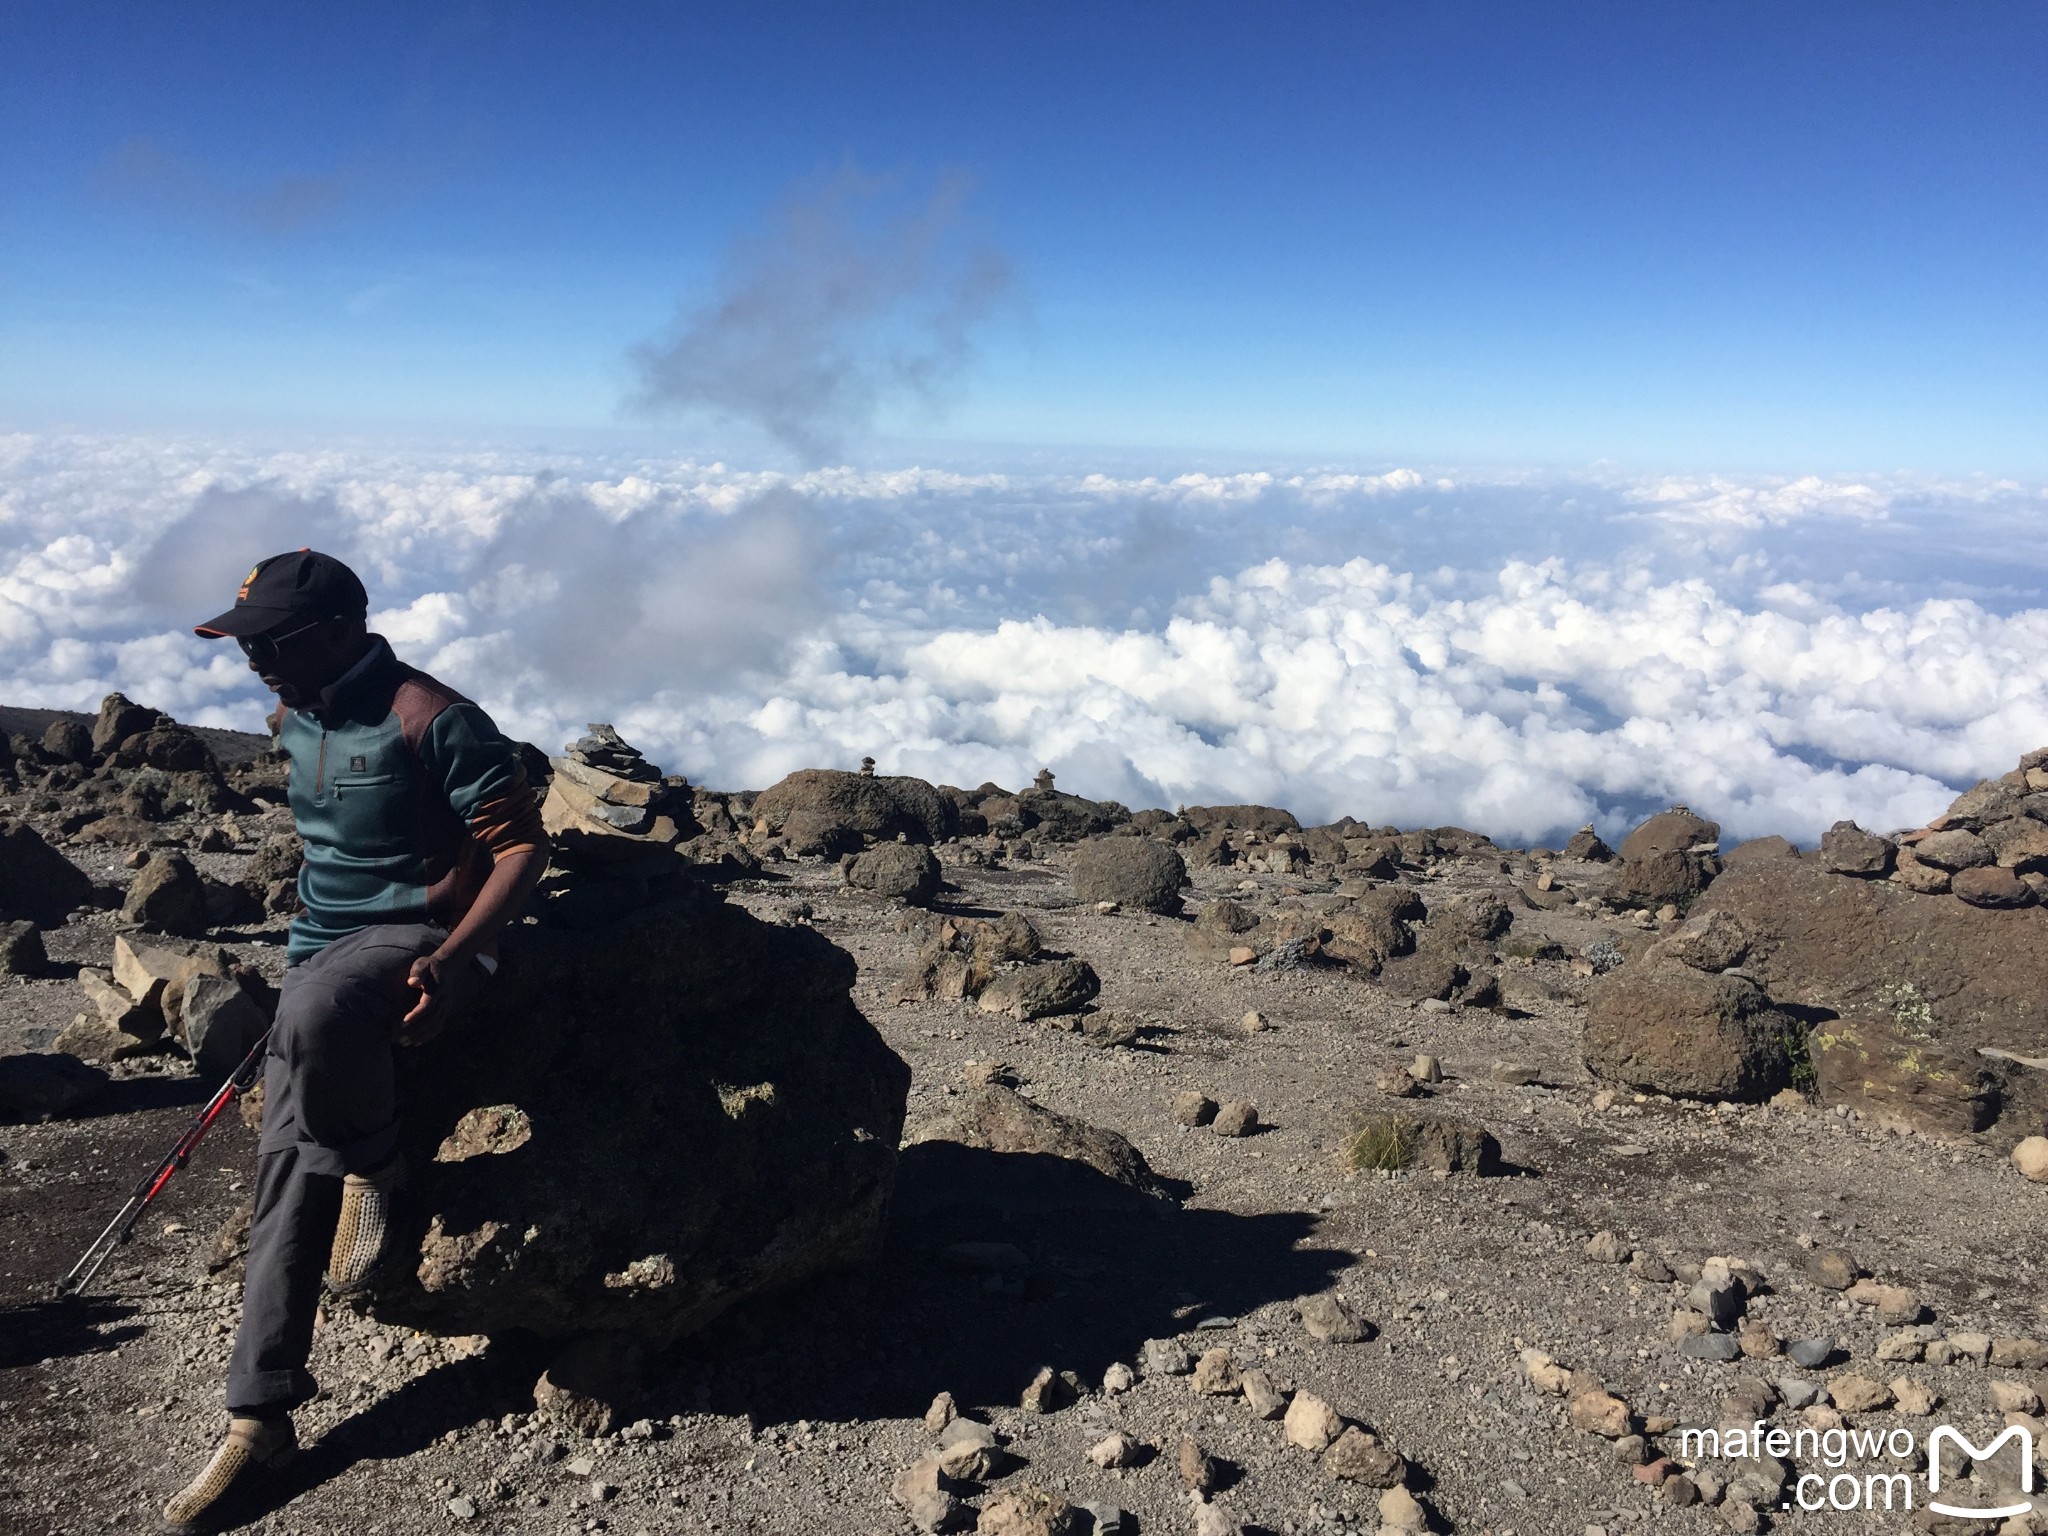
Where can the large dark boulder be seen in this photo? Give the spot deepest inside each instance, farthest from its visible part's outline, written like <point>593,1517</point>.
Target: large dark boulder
<point>640,1126</point>
<point>169,896</point>
<point>828,810</point>
<point>67,741</point>
<point>1663,1027</point>
<point>902,871</point>
<point>1669,858</point>
<point>36,881</point>
<point>1134,872</point>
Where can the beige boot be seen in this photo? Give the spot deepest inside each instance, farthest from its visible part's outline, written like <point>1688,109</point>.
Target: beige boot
<point>363,1232</point>
<point>251,1446</point>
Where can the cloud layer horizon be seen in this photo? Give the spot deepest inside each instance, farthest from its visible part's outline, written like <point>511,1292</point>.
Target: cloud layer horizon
<point>1515,653</point>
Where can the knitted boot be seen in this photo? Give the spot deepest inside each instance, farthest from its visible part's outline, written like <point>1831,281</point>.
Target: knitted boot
<point>251,1446</point>
<point>365,1226</point>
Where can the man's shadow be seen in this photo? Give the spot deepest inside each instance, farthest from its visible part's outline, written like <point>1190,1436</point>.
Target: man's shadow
<point>992,1266</point>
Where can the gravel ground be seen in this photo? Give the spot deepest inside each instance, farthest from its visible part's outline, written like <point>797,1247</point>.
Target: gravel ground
<point>795,1414</point>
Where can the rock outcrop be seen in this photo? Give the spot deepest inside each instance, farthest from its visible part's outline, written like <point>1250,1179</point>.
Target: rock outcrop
<point>831,812</point>
<point>1905,991</point>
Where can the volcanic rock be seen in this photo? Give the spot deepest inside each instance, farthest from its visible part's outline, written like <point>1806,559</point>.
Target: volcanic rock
<point>1668,858</point>
<point>997,1119</point>
<point>1921,879</point>
<point>67,741</point>
<point>1474,919</point>
<point>1028,1511</point>
<point>900,871</point>
<point>1709,941</point>
<point>1666,1028</point>
<point>711,1118</point>
<point>1133,872</point>
<point>1311,1423</point>
<point>1586,844</point>
<point>1358,1457</point>
<point>2030,1156</point>
<point>960,956</point>
<point>170,748</point>
<point>2020,843</point>
<point>118,719</point>
<point>920,1489</point>
<point>21,949</point>
<point>1953,850</point>
<point>219,1023</point>
<point>1041,990</point>
<point>169,896</point>
<point>1235,1117</point>
<point>1452,1146</point>
<point>1847,849</point>
<point>1760,848</point>
<point>1267,820</point>
<point>1990,886</point>
<point>1907,991</point>
<point>1220,927</point>
<point>36,881</point>
<point>826,810</point>
<point>1327,1318</point>
<point>37,1085</point>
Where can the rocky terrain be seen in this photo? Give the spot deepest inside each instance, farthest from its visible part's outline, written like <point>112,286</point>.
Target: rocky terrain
<point>1169,1171</point>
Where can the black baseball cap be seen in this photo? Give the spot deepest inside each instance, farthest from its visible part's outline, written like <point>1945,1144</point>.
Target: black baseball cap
<point>303,584</point>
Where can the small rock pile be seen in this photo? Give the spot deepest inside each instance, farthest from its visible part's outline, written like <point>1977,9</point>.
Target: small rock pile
<point>998,963</point>
<point>192,995</point>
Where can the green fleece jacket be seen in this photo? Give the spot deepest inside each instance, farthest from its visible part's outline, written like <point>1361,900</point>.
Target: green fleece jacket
<point>405,794</point>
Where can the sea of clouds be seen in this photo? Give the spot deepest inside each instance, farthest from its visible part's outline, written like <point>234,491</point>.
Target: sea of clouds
<point>1517,653</point>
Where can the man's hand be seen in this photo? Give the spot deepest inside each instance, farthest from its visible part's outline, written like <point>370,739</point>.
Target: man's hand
<point>444,986</point>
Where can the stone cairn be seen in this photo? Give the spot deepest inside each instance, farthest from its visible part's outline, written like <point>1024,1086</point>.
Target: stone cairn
<point>616,821</point>
<point>1990,848</point>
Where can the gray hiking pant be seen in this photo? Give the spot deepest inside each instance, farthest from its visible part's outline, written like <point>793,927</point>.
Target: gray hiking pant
<point>329,1109</point>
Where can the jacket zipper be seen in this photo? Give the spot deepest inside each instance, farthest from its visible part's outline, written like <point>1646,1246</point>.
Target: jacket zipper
<point>320,767</point>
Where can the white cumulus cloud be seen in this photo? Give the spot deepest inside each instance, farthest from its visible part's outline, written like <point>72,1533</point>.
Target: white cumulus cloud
<point>1519,653</point>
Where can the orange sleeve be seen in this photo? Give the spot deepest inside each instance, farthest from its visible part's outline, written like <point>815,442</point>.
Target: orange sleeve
<point>509,823</point>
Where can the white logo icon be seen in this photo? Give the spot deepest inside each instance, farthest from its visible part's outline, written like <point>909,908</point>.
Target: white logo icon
<point>2004,1511</point>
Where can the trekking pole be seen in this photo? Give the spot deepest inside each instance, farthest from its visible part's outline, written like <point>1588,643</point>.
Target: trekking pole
<point>122,1227</point>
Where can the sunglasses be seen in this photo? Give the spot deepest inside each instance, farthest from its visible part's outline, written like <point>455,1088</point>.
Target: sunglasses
<point>262,649</point>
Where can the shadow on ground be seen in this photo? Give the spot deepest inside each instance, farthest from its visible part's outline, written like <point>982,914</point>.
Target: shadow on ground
<point>453,1396</point>
<point>992,1266</point>
<point>56,1329</point>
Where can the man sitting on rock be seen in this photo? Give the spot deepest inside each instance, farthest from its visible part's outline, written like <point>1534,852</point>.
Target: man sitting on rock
<point>422,840</point>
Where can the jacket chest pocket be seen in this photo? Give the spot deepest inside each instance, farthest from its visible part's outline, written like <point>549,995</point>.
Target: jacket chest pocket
<point>374,812</point>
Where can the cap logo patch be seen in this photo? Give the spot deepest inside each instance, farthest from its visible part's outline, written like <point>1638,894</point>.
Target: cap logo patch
<point>247,582</point>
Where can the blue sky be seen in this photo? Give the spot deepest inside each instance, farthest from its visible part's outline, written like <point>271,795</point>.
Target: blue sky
<point>1737,237</point>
